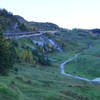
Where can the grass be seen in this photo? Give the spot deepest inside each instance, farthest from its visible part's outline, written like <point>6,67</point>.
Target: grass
<point>7,93</point>
<point>41,82</point>
<point>84,66</point>
<point>46,83</point>
<point>88,62</point>
<point>60,57</point>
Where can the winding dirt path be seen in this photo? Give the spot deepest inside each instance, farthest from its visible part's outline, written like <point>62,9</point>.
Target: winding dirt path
<point>73,76</point>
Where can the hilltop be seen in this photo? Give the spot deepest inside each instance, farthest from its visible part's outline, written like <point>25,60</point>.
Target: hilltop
<point>15,23</point>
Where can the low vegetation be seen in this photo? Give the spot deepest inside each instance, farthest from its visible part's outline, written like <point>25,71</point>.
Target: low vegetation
<point>30,66</point>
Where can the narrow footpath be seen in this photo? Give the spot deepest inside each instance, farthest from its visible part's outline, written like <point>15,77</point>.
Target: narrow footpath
<point>97,80</point>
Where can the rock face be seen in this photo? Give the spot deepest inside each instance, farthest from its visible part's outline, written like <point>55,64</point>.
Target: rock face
<point>47,43</point>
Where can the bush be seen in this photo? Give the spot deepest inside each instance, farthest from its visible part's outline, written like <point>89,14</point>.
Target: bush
<point>22,27</point>
<point>40,57</point>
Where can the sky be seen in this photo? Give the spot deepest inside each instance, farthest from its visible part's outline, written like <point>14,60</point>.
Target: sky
<point>65,13</point>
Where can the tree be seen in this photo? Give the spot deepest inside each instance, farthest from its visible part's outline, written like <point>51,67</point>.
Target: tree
<point>22,26</point>
<point>7,54</point>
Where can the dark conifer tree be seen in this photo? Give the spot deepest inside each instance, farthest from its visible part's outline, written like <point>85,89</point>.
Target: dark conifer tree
<point>7,54</point>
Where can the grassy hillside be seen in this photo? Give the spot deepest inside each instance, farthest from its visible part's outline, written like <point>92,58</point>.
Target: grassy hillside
<point>45,83</point>
<point>34,81</point>
<point>88,62</point>
<point>36,74</point>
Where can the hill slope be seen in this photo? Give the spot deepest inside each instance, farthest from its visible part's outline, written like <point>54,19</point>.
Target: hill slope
<point>36,75</point>
<point>15,23</point>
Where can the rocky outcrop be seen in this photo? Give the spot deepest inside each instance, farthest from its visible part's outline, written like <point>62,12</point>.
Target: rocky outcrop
<point>47,43</point>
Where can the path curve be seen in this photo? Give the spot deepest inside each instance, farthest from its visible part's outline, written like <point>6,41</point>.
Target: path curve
<point>27,34</point>
<point>73,76</point>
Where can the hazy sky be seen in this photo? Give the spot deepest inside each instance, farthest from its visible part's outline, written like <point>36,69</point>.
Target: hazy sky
<point>65,13</point>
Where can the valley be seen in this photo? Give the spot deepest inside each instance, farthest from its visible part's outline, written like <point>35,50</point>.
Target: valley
<point>49,62</point>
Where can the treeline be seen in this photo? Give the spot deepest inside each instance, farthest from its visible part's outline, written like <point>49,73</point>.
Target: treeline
<point>11,52</point>
<point>11,23</point>
<point>33,56</point>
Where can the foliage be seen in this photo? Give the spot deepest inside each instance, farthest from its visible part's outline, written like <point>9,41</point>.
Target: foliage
<point>22,26</point>
<point>27,56</point>
<point>40,56</point>
<point>7,19</point>
<point>4,12</point>
<point>10,22</point>
<point>7,55</point>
